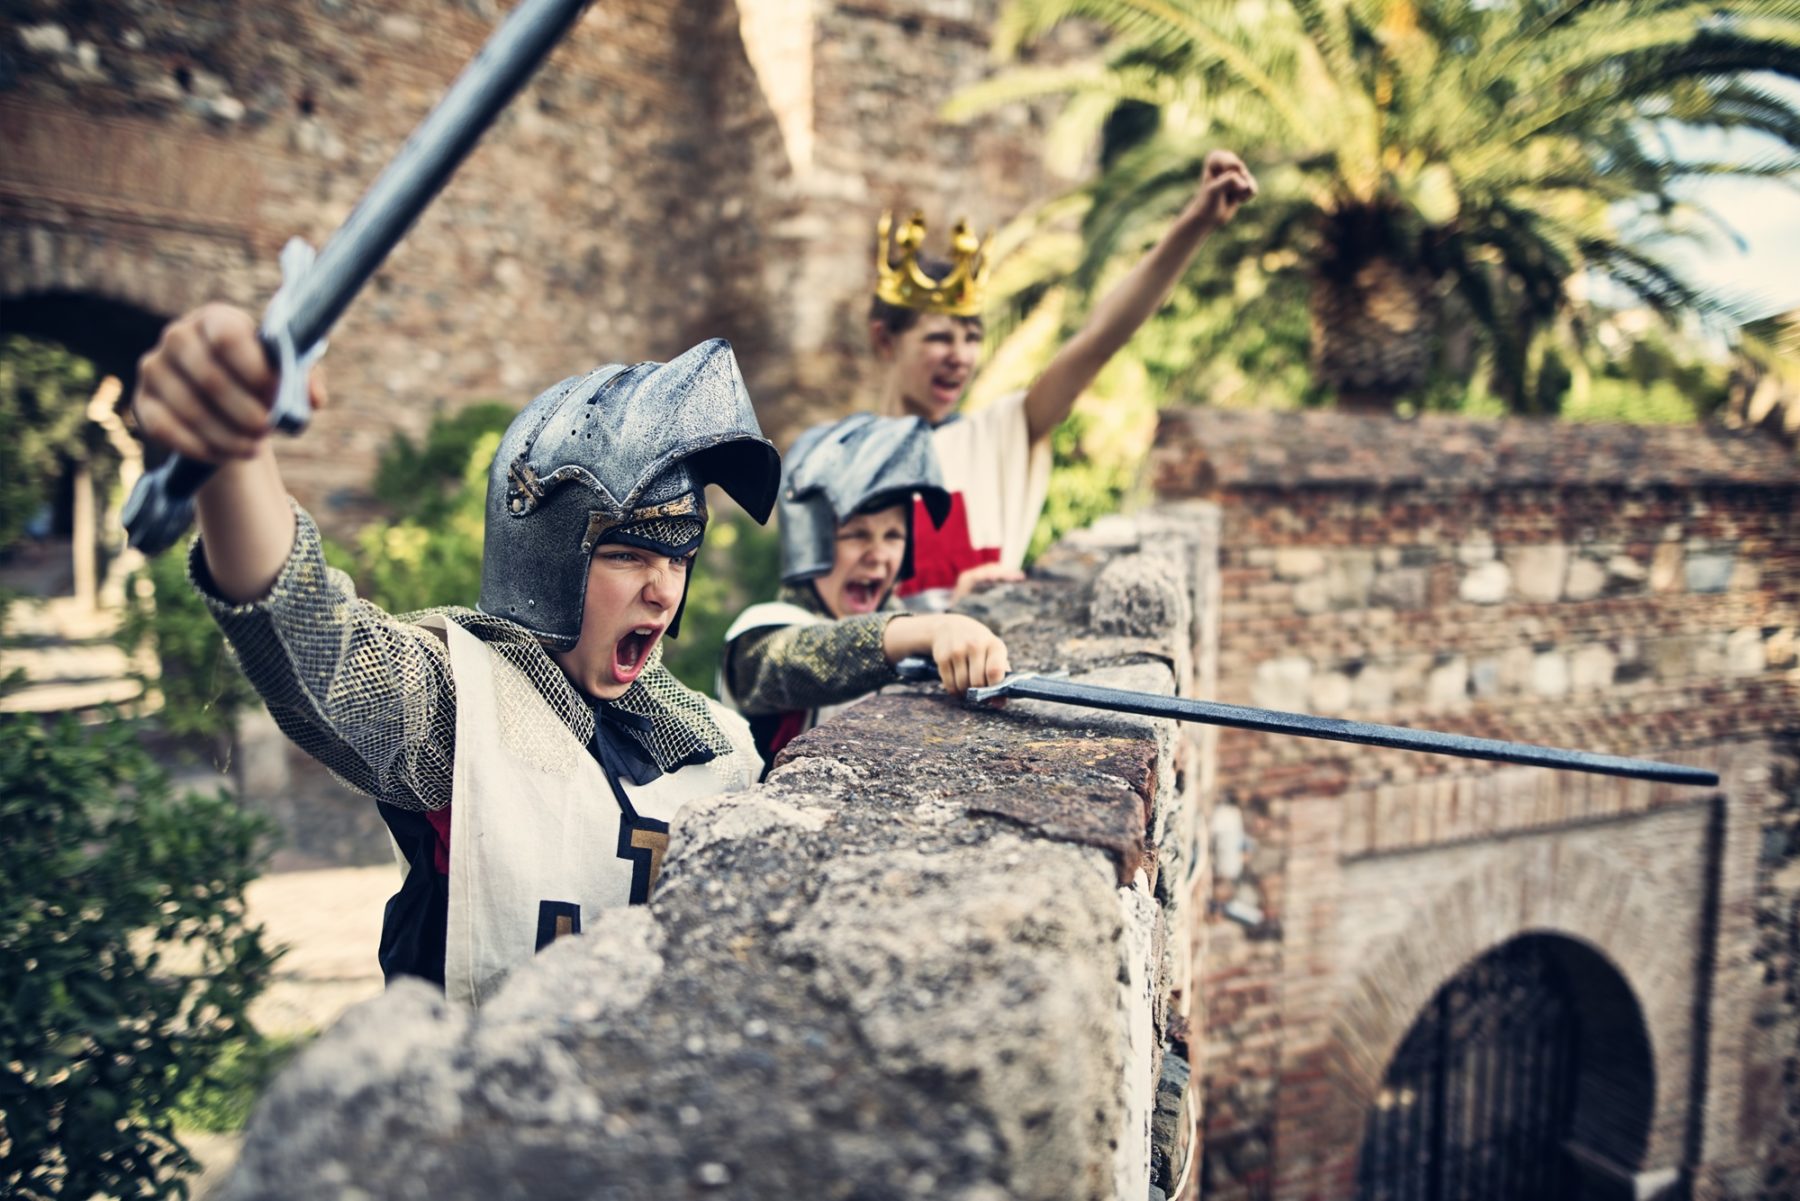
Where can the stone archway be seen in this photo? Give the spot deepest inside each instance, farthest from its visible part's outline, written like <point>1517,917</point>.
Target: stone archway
<point>1524,1072</point>
<point>1574,885</point>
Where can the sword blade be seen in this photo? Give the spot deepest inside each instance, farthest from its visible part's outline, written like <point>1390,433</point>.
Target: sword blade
<point>1244,717</point>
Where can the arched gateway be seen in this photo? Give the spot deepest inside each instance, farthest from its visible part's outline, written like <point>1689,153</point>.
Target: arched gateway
<point>1526,1057</point>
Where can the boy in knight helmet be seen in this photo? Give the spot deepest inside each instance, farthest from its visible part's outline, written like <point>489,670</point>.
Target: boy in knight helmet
<point>847,528</point>
<point>528,754</point>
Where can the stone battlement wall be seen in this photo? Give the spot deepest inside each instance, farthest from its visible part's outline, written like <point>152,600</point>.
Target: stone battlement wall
<point>939,953</point>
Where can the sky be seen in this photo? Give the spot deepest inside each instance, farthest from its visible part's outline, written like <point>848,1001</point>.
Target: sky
<point>1764,274</point>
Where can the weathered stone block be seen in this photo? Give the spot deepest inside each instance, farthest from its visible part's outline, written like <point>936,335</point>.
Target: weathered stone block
<point>1539,571</point>
<point>1475,553</point>
<point>1312,595</point>
<point>1744,654</point>
<point>1487,583</point>
<point>1591,667</point>
<point>1484,678</point>
<point>1709,571</point>
<point>1330,692</point>
<point>1298,563</point>
<point>1586,579</point>
<point>1372,689</point>
<point>1348,578</point>
<point>1550,674</point>
<point>1282,683</point>
<point>1448,684</point>
<point>1622,571</point>
<point>1403,588</point>
<point>1665,568</point>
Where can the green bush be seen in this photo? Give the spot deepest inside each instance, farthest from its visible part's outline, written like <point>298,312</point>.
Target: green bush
<point>423,481</point>
<point>430,554</point>
<point>126,962</point>
<point>202,688</point>
<point>43,409</point>
<point>220,1101</point>
<point>739,565</point>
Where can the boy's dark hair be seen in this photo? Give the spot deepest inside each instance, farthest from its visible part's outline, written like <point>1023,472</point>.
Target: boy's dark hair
<point>896,319</point>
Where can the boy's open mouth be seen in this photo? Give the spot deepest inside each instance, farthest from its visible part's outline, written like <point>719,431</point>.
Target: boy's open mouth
<point>631,652</point>
<point>861,596</point>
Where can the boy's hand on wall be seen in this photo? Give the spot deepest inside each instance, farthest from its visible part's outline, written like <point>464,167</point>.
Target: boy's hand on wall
<point>205,388</point>
<point>967,653</point>
<point>1225,184</point>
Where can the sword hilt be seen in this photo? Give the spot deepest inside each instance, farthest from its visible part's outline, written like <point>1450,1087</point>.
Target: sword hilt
<point>161,505</point>
<point>915,669</point>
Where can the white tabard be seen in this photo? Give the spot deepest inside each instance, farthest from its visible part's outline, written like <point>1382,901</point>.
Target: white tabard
<point>540,844</point>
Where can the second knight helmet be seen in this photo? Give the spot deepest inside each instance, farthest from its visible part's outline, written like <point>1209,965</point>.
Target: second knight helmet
<point>856,465</point>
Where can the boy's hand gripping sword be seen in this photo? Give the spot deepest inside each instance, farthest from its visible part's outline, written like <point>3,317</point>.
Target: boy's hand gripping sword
<point>1030,686</point>
<point>314,293</point>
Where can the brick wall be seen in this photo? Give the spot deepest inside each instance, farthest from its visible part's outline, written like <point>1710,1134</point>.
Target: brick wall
<point>677,171</point>
<point>1622,590</point>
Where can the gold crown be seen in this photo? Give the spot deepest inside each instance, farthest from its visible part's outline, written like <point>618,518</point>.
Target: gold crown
<point>901,281</point>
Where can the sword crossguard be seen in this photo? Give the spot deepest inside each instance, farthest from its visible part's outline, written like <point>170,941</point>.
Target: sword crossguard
<point>976,697</point>
<point>293,411</point>
<point>916,669</point>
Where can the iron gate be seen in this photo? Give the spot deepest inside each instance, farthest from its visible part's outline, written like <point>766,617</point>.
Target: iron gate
<point>1476,1103</point>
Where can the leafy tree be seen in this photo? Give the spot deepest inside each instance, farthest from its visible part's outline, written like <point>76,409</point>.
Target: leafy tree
<point>1416,157</point>
<point>1764,389</point>
<point>202,689</point>
<point>126,962</point>
<point>44,391</point>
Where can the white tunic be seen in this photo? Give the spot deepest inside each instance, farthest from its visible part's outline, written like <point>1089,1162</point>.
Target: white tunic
<point>540,843</point>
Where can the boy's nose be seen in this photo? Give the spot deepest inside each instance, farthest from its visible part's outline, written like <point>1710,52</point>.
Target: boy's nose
<point>663,590</point>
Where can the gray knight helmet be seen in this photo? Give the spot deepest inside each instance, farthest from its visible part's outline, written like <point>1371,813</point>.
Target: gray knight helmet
<point>622,454</point>
<point>857,465</point>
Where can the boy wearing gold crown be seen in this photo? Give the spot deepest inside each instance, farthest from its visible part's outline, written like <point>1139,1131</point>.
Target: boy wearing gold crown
<point>925,326</point>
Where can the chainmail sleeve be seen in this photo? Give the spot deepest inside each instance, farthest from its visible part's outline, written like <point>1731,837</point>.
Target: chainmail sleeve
<point>368,695</point>
<point>782,668</point>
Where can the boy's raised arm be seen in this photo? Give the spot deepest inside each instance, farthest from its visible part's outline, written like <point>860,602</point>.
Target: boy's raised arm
<point>204,391</point>
<point>1225,184</point>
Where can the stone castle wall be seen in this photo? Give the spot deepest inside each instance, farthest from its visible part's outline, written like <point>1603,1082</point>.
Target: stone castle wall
<point>1626,590</point>
<point>939,953</point>
<point>676,171</point>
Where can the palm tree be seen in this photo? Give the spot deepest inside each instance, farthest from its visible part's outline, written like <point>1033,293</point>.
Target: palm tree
<point>1417,157</point>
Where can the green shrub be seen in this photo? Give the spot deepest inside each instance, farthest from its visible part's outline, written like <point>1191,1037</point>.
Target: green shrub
<point>220,1101</point>
<point>43,410</point>
<point>739,565</point>
<point>422,481</point>
<point>126,962</point>
<point>430,554</point>
<point>202,688</point>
